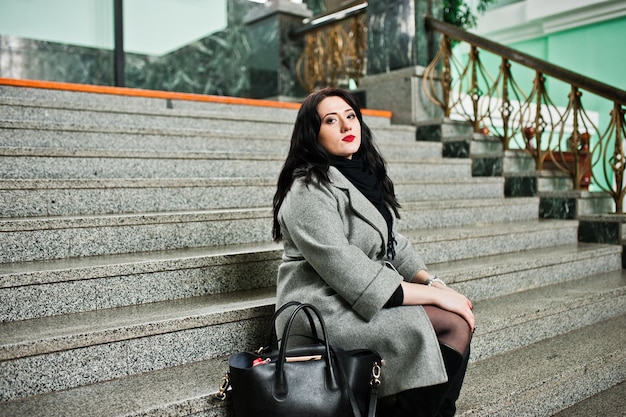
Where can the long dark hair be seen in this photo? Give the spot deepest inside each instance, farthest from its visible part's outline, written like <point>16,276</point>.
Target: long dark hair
<point>308,159</point>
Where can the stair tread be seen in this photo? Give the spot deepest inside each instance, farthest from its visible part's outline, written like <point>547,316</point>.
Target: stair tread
<point>75,330</point>
<point>71,331</point>
<point>281,115</point>
<point>517,378</point>
<point>39,268</point>
<point>475,268</point>
<point>453,204</point>
<point>491,383</point>
<point>187,388</point>
<point>47,152</point>
<point>126,219</point>
<point>486,229</point>
<point>35,272</point>
<point>607,403</point>
<point>545,302</point>
<point>48,126</point>
<point>46,183</point>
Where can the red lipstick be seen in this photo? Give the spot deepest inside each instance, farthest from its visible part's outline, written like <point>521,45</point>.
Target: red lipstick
<point>348,138</point>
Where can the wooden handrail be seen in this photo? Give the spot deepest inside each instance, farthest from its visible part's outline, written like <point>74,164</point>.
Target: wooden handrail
<point>570,77</point>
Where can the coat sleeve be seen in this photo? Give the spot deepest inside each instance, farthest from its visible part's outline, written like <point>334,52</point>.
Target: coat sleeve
<point>407,261</point>
<point>311,219</point>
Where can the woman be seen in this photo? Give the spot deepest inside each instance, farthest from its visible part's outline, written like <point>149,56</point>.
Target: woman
<point>335,211</point>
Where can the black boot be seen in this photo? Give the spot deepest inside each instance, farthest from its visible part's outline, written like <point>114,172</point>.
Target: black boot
<point>448,407</point>
<point>426,401</point>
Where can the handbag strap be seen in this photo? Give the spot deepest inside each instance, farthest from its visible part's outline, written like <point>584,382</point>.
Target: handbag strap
<point>330,355</point>
<point>374,383</point>
<point>273,338</point>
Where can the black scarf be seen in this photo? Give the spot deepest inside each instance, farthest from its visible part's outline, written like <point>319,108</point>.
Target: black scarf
<point>366,182</point>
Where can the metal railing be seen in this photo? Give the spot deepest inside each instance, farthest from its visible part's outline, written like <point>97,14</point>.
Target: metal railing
<point>335,49</point>
<point>567,137</point>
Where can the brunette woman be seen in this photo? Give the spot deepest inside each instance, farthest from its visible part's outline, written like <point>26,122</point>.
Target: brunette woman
<point>335,212</point>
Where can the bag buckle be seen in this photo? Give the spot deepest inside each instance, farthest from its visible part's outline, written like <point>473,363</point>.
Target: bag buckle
<point>375,381</point>
<point>224,384</point>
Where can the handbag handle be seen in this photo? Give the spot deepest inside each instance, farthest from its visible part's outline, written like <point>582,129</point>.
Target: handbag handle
<point>273,338</point>
<point>281,387</point>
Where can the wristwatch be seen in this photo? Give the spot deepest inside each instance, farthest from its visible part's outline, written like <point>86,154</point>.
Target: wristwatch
<point>432,279</point>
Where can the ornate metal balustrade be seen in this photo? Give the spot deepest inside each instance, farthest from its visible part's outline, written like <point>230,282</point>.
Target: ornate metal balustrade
<point>335,50</point>
<point>565,137</point>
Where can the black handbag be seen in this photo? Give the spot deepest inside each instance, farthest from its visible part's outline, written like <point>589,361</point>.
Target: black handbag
<point>309,380</point>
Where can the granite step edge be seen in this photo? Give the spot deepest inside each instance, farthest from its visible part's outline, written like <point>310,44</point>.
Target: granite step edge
<point>493,276</point>
<point>518,319</point>
<point>48,335</point>
<point>104,326</point>
<point>565,369</point>
<point>85,268</point>
<point>148,394</point>
<point>152,393</point>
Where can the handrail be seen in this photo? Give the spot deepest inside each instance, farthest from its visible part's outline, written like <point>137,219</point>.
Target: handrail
<point>540,65</point>
<point>565,137</point>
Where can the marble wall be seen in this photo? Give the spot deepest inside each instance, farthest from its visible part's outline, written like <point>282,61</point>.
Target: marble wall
<point>253,57</point>
<point>397,36</point>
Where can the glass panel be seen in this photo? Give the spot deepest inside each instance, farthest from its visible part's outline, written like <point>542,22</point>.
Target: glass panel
<point>224,47</point>
<point>60,40</point>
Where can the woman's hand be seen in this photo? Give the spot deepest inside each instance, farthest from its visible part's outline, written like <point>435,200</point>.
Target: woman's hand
<point>440,296</point>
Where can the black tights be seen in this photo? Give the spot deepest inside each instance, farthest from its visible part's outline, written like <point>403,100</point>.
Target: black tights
<point>454,337</point>
<point>451,329</point>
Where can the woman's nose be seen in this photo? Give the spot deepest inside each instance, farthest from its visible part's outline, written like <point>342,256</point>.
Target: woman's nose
<point>345,126</point>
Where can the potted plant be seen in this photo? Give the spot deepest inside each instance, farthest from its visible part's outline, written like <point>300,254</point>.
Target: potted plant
<point>462,13</point>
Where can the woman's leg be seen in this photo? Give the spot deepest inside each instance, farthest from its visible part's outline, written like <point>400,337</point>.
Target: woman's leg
<point>451,329</point>
<point>454,337</point>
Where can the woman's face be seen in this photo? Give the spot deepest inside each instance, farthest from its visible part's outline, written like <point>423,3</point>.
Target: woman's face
<point>340,130</point>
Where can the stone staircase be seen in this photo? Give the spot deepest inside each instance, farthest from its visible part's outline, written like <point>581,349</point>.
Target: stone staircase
<point>135,256</point>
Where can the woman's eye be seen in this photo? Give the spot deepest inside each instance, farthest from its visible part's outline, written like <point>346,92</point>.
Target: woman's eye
<point>351,116</point>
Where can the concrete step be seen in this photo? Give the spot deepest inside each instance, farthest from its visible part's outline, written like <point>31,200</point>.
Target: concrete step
<point>67,197</point>
<point>266,121</point>
<point>573,362</point>
<point>190,104</point>
<point>609,402</point>
<point>46,288</point>
<point>56,353</point>
<point>74,284</point>
<point>491,276</point>
<point>467,242</point>
<point>53,287</point>
<point>449,188</point>
<point>70,197</point>
<point>35,163</point>
<point>149,394</point>
<point>515,320</point>
<point>530,183</point>
<point>132,118</point>
<point>43,238</point>
<point>450,213</point>
<point>179,138</point>
<point>548,376</point>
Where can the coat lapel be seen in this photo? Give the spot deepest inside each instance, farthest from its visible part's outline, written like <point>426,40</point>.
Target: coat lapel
<point>359,203</point>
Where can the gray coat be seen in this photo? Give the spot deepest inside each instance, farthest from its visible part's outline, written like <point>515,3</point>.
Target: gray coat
<point>334,258</point>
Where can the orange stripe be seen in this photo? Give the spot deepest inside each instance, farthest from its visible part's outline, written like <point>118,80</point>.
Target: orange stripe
<point>137,92</point>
